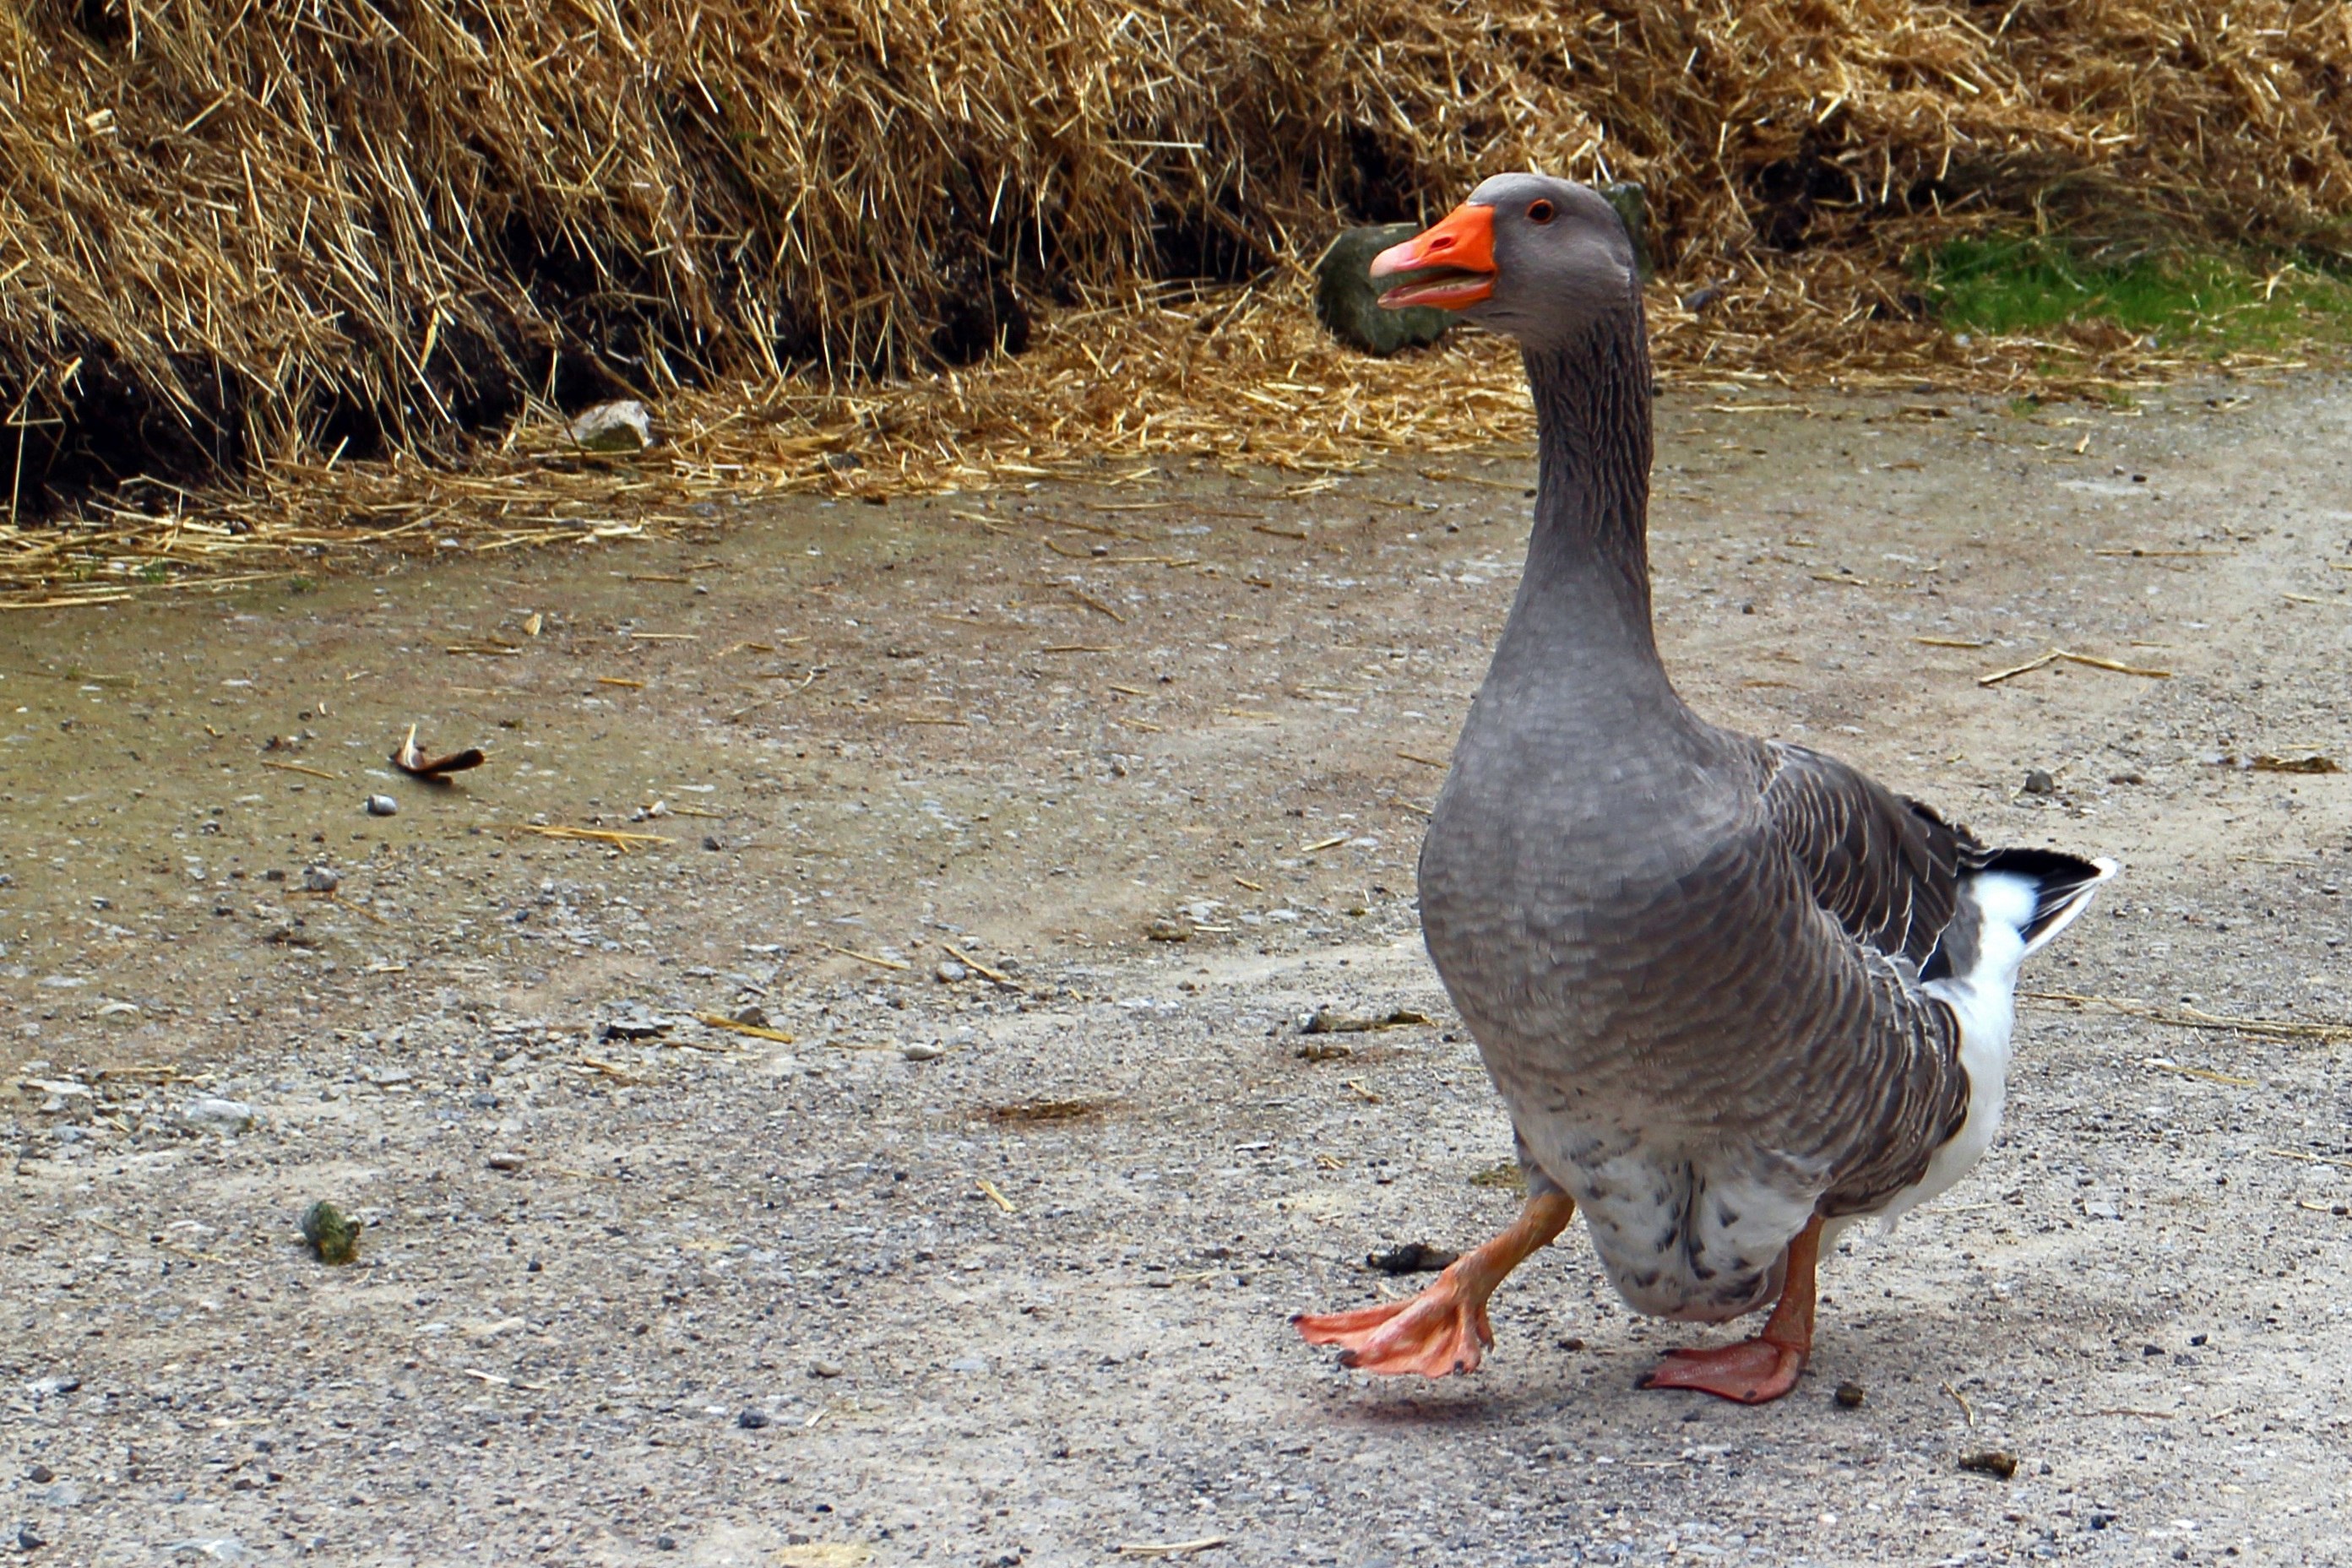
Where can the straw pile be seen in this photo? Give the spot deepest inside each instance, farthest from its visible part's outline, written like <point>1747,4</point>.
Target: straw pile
<point>323,248</point>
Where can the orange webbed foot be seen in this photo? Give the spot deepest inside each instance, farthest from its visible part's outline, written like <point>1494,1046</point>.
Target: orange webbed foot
<point>1439,1333</point>
<point>1753,1371</point>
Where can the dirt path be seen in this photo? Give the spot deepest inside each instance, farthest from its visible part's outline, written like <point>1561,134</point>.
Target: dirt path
<point>1017,1293</point>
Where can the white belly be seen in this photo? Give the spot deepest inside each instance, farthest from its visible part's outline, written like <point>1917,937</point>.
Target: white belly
<point>1697,1235</point>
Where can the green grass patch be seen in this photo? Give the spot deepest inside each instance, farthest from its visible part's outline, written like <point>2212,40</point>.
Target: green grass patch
<point>2187,300</point>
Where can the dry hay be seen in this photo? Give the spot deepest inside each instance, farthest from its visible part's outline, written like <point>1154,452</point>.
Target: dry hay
<point>327,245</point>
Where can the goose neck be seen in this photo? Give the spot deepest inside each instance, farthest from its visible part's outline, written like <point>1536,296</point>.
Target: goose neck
<point>1592,487</point>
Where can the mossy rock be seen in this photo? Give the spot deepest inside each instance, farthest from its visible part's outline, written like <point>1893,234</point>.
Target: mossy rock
<point>333,1236</point>
<point>1633,204</point>
<point>1347,303</point>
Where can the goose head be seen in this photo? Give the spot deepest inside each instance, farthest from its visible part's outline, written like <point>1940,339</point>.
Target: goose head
<point>1538,259</point>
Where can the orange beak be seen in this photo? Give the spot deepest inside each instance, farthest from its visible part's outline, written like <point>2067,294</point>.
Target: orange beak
<point>1458,256</point>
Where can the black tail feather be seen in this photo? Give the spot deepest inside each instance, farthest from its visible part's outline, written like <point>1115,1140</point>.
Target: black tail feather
<point>2061,881</point>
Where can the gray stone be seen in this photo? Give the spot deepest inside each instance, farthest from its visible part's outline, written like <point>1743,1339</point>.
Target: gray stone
<point>623,426</point>
<point>920,1050</point>
<point>382,805</point>
<point>209,1113</point>
<point>322,879</point>
<point>1347,303</point>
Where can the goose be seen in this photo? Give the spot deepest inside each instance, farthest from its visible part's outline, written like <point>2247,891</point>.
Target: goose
<point>1735,994</point>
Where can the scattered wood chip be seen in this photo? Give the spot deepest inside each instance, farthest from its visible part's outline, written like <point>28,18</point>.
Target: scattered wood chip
<point>620,681</point>
<point>825,1554</point>
<point>2159,1064</point>
<point>874,958</point>
<point>1425,761</point>
<point>2090,660</point>
<point>1168,1548</point>
<point>1091,602</point>
<point>1949,641</point>
<point>1967,1412</point>
<point>1047,1110</point>
<point>986,971</point>
<point>2187,1017</point>
<point>1319,845</point>
<point>300,767</point>
<point>1326,1022</point>
<point>989,1190</point>
<point>501,1381</point>
<point>2095,663</point>
<point>718,1021</point>
<point>612,836</point>
<point>2337,1160</point>
<point>1253,887</point>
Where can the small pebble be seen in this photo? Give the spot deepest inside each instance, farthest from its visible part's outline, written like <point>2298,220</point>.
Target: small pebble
<point>923,1051</point>
<point>949,973</point>
<point>752,1013</point>
<point>665,1542</point>
<point>2039,782</point>
<point>26,1541</point>
<point>40,1475</point>
<point>211,1114</point>
<point>826,1369</point>
<point>322,879</point>
<point>1571,1341</point>
<point>750,1420</point>
<point>1850,1396</point>
<point>1166,930</point>
<point>1997,1462</point>
<point>382,805</point>
<point>505,1160</point>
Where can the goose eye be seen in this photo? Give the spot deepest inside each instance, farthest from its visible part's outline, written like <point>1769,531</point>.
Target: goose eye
<point>1540,212</point>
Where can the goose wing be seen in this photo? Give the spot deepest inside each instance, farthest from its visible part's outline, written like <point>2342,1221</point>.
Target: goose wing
<point>1886,867</point>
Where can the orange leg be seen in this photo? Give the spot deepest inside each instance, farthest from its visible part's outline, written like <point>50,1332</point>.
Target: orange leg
<point>1764,1368</point>
<point>1444,1329</point>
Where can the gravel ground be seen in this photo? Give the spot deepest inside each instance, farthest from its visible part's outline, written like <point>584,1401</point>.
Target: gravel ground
<point>990,1261</point>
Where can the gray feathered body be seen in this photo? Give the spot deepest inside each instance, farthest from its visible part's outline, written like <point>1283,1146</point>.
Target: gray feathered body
<point>1702,968</point>
<point>1688,1042</point>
